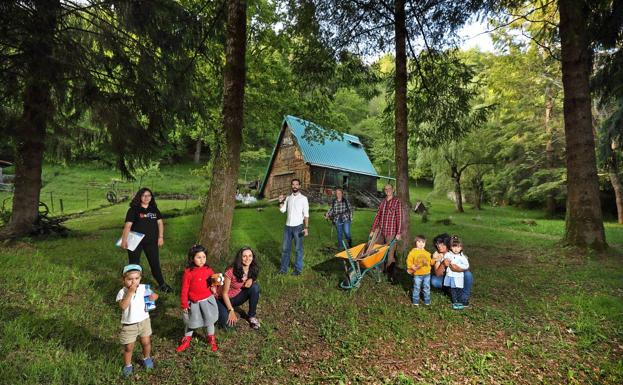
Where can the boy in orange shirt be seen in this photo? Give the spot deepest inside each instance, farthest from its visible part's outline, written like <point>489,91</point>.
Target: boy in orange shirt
<point>418,265</point>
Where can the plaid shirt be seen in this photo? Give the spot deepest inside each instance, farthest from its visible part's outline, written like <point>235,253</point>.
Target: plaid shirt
<point>389,217</point>
<point>340,210</point>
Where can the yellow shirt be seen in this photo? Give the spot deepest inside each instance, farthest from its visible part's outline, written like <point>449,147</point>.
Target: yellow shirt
<point>420,257</point>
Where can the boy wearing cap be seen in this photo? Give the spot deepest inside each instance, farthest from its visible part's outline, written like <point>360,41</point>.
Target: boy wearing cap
<point>135,320</point>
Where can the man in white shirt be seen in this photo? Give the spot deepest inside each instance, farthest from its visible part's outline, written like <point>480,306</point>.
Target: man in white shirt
<point>297,223</point>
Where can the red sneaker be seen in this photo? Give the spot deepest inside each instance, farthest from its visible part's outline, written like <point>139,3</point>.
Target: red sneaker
<point>212,341</point>
<point>185,344</point>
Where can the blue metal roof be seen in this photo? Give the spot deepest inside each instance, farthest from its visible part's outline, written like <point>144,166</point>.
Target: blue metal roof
<point>345,154</point>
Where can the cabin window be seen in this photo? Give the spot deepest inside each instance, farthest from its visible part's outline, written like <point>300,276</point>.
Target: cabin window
<point>287,141</point>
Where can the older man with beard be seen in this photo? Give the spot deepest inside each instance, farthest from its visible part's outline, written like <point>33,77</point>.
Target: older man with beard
<point>388,220</point>
<point>296,207</point>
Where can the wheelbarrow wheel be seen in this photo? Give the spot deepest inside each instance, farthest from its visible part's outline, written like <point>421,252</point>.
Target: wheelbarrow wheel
<point>111,197</point>
<point>44,210</point>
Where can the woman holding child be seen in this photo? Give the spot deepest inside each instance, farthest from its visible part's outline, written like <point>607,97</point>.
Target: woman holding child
<point>239,287</point>
<point>443,265</point>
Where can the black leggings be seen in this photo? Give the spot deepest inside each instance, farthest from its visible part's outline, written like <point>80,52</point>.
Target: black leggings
<point>153,257</point>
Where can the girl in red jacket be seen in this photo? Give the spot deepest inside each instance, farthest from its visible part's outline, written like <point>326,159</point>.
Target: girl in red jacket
<point>197,298</point>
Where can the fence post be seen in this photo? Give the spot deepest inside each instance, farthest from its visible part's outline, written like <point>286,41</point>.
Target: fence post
<point>52,200</point>
<point>60,201</point>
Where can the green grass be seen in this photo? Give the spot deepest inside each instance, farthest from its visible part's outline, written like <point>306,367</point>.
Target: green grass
<point>83,186</point>
<point>541,313</point>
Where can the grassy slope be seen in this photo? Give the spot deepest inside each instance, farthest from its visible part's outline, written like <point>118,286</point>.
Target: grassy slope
<point>541,314</point>
<point>70,183</point>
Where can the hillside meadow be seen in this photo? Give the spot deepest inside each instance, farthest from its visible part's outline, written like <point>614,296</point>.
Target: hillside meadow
<point>540,313</point>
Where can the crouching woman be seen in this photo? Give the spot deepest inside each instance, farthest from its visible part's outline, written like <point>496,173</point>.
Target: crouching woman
<point>239,287</point>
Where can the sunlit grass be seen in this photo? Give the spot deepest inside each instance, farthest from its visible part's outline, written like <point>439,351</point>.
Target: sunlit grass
<point>540,313</point>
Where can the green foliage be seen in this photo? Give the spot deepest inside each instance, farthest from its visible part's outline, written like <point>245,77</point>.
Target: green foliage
<point>149,84</point>
<point>117,82</point>
<point>610,134</point>
<point>517,84</point>
<point>441,99</point>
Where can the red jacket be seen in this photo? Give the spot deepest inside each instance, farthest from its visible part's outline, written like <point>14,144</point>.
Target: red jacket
<point>195,285</point>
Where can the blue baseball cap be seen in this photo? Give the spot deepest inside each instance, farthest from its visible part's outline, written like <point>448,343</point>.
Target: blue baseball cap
<point>132,267</point>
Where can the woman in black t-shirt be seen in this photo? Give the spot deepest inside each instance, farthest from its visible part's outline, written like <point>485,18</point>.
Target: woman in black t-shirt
<point>144,217</point>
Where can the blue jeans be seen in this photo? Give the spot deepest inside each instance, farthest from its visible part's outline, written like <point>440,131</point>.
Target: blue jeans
<point>468,283</point>
<point>458,295</point>
<point>343,230</point>
<point>421,282</point>
<point>292,233</point>
<point>251,294</point>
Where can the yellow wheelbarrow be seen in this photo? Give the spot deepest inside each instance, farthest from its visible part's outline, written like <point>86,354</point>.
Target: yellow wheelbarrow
<point>361,259</point>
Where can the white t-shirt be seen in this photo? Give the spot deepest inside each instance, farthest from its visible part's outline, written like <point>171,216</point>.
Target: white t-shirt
<point>461,261</point>
<point>135,312</point>
<point>297,208</point>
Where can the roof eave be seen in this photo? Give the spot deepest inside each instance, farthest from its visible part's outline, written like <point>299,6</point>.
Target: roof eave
<point>343,169</point>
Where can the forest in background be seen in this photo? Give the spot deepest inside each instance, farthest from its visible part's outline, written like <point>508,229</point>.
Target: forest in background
<point>133,87</point>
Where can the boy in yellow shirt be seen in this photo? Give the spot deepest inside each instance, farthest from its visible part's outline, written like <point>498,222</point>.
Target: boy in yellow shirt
<point>418,265</point>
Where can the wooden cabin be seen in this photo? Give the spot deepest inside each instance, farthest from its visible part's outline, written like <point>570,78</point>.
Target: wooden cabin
<point>321,166</point>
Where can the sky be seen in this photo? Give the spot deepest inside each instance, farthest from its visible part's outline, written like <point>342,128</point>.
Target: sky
<point>474,36</point>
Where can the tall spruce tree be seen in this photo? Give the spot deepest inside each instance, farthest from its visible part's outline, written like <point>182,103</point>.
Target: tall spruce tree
<point>584,27</point>
<point>406,27</point>
<point>123,62</point>
<point>584,226</point>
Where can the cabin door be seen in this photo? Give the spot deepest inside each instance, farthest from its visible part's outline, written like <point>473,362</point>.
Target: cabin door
<point>343,179</point>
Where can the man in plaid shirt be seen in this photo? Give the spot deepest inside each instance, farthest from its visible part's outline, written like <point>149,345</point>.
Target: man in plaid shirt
<point>342,215</point>
<point>388,220</point>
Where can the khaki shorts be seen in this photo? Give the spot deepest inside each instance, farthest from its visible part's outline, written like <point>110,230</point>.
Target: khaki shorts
<point>129,332</point>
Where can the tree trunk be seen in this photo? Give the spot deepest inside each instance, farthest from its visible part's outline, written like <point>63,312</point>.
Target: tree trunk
<point>219,212</point>
<point>550,201</point>
<point>400,116</point>
<point>478,191</point>
<point>197,156</point>
<point>31,128</point>
<point>618,193</point>
<point>615,180</point>
<point>479,195</point>
<point>458,195</point>
<point>584,226</point>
